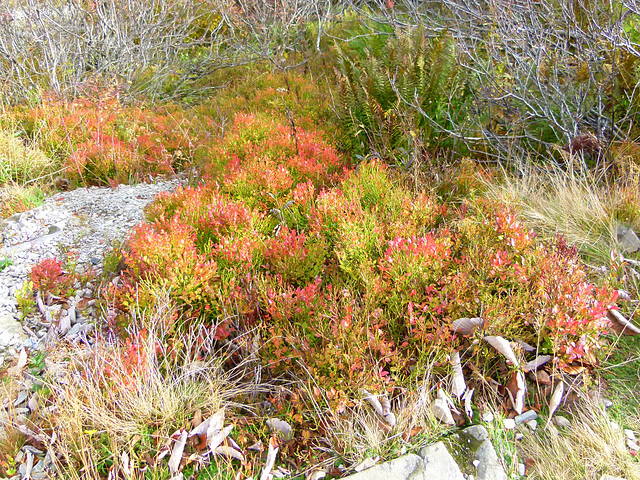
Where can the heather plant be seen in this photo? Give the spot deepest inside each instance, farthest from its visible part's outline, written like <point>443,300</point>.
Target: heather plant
<point>48,276</point>
<point>96,136</point>
<point>364,291</point>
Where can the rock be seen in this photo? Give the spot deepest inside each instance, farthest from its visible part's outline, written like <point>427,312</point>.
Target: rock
<point>526,416</point>
<point>522,470</point>
<point>509,424</point>
<point>487,416</point>
<point>614,426</point>
<point>477,432</point>
<point>519,436</point>
<point>633,445</point>
<point>438,463</point>
<point>607,403</point>
<point>630,434</point>
<point>628,239</point>
<point>10,331</point>
<point>610,477</point>
<point>532,424</point>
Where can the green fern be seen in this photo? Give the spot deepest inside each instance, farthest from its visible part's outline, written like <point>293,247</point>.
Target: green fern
<point>377,84</point>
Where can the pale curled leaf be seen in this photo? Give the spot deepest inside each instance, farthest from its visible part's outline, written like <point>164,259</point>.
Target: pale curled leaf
<point>504,347</point>
<point>620,324</point>
<point>219,437</point>
<point>176,453</point>
<point>230,452</point>
<point>280,427</point>
<point>201,429</point>
<point>382,407</point>
<point>536,362</point>
<point>459,385</point>
<point>441,411</point>
<point>467,402</point>
<point>555,400</point>
<point>270,462</point>
<point>466,326</point>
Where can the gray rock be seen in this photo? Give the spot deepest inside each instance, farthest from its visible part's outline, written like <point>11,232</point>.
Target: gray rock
<point>526,417</point>
<point>610,477</point>
<point>628,239</point>
<point>401,468</point>
<point>477,432</point>
<point>10,329</point>
<point>438,463</point>
<point>489,467</point>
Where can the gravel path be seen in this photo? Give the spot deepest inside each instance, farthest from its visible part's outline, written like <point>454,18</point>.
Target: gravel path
<point>87,220</point>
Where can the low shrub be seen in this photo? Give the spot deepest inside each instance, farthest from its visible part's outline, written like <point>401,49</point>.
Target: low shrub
<point>360,281</point>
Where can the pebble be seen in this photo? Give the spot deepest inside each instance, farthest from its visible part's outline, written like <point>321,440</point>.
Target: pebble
<point>519,436</point>
<point>630,434</point>
<point>476,463</point>
<point>88,221</point>
<point>509,423</point>
<point>532,424</point>
<point>607,403</point>
<point>522,470</point>
<point>526,417</point>
<point>487,417</point>
<point>633,445</point>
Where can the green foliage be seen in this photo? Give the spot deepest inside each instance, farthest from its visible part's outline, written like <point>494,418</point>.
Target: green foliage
<point>377,82</point>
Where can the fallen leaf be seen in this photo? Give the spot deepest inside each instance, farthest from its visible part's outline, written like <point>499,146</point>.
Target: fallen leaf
<point>280,427</point>
<point>556,398</point>
<point>537,362</point>
<point>382,407</point>
<point>270,462</point>
<point>316,475</point>
<point>467,402</point>
<point>620,324</point>
<point>517,389</point>
<point>441,411</point>
<point>504,347</point>
<point>176,453</point>
<point>214,439</point>
<point>22,362</point>
<point>230,452</point>
<point>459,385</point>
<point>466,326</point>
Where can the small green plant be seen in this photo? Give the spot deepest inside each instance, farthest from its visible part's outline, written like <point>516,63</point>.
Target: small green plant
<point>25,300</point>
<point>4,263</point>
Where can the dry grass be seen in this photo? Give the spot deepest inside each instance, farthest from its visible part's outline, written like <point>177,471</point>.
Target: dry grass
<point>356,432</point>
<point>21,163</point>
<point>573,201</point>
<point>11,440</point>
<point>106,411</point>
<point>587,449</point>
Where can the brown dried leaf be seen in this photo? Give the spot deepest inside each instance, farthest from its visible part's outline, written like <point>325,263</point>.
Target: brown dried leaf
<point>517,388</point>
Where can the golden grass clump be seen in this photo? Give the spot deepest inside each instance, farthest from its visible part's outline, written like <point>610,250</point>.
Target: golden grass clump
<point>21,163</point>
<point>589,448</point>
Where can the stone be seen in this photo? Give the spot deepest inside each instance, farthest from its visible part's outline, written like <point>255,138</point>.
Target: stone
<point>490,467</point>
<point>610,477</point>
<point>633,445</point>
<point>438,463</point>
<point>10,330</point>
<point>477,432</point>
<point>526,417</point>
<point>509,423</point>
<point>630,434</point>
<point>402,468</point>
<point>532,424</point>
<point>628,239</point>
<point>519,436</point>
<point>487,416</point>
